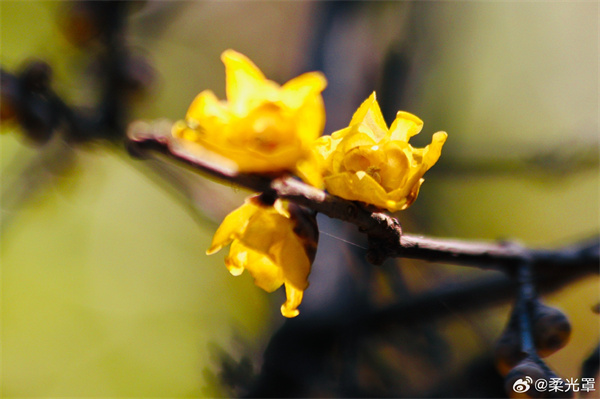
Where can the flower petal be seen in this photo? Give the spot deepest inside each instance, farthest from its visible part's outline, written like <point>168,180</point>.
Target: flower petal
<point>340,134</point>
<point>291,256</point>
<point>370,118</point>
<point>434,150</point>
<point>298,89</point>
<point>357,139</point>
<point>325,148</point>
<point>395,171</point>
<point>322,148</point>
<point>206,105</point>
<point>294,298</point>
<point>232,227</point>
<point>243,78</point>
<point>266,230</point>
<point>413,194</point>
<point>237,260</point>
<point>431,153</point>
<point>281,208</point>
<point>309,170</point>
<point>357,187</point>
<point>405,126</point>
<point>309,120</point>
<point>267,275</point>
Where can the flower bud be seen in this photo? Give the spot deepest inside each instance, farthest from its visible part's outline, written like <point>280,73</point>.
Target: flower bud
<point>520,381</point>
<point>551,329</point>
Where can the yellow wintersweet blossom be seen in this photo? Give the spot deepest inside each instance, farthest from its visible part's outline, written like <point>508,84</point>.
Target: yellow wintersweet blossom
<point>262,127</point>
<point>276,244</point>
<point>370,163</point>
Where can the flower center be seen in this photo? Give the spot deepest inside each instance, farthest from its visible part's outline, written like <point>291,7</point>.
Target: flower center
<point>373,171</point>
<point>268,129</point>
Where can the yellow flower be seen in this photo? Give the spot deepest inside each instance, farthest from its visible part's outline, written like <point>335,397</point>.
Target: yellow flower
<point>370,163</point>
<point>277,245</point>
<point>262,127</point>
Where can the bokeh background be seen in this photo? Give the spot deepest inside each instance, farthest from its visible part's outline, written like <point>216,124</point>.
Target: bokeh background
<point>106,290</point>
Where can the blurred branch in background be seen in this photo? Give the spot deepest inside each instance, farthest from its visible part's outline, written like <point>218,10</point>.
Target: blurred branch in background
<point>55,126</point>
<point>560,162</point>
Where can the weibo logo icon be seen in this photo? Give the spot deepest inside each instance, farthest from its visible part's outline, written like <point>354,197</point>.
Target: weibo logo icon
<point>522,385</point>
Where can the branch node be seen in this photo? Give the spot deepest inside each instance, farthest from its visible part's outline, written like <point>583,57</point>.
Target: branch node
<point>268,197</point>
<point>351,211</point>
<point>384,237</point>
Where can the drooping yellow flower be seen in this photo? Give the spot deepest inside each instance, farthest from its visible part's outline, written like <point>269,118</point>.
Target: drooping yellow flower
<point>276,244</point>
<point>262,127</point>
<point>370,163</point>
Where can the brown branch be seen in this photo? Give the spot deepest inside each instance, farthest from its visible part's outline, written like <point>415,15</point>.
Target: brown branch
<point>384,231</point>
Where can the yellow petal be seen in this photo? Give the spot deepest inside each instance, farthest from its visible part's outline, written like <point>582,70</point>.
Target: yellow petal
<point>405,126</point>
<point>250,161</point>
<point>294,298</point>
<point>355,161</point>
<point>431,154</point>
<point>291,256</point>
<point>298,89</point>
<point>434,150</point>
<point>395,171</point>
<point>267,275</point>
<point>266,129</point>
<point>310,171</point>
<point>369,116</point>
<point>232,227</point>
<point>340,134</point>
<point>337,162</point>
<point>206,105</point>
<point>357,139</point>
<point>325,148</point>
<point>310,120</point>
<point>413,194</point>
<point>357,186</point>
<point>303,95</point>
<point>281,207</point>
<point>266,230</point>
<point>237,260</point>
<point>394,206</point>
<point>243,78</point>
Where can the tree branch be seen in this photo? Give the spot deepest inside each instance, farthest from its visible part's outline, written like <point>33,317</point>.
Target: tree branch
<point>384,231</point>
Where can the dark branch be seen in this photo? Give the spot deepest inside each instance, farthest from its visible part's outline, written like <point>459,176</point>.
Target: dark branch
<point>384,231</point>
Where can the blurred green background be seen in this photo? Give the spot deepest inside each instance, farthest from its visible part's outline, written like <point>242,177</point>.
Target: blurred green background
<point>106,290</point>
